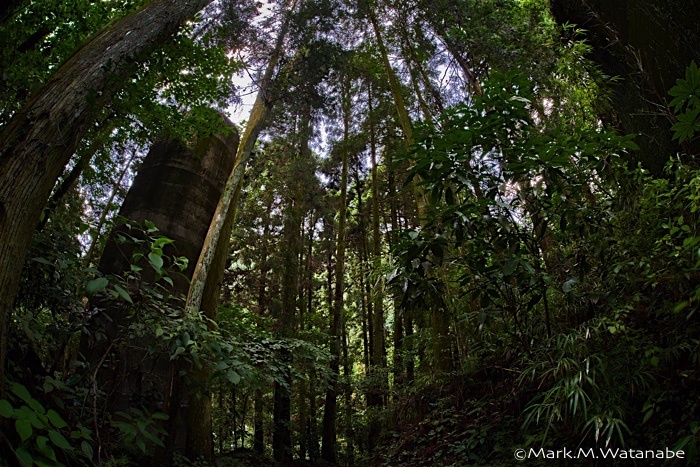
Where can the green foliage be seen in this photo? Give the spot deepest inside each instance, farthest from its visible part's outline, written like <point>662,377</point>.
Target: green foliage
<point>586,384</point>
<point>148,246</point>
<point>495,184</point>
<point>530,222</point>
<point>178,88</point>
<point>42,436</point>
<point>691,442</point>
<point>567,282</point>
<point>256,353</point>
<point>140,429</point>
<point>41,36</point>
<point>686,104</point>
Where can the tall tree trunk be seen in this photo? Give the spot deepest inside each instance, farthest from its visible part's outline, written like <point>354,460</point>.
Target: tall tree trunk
<point>199,427</point>
<point>258,429</point>
<point>410,360</point>
<point>394,83</point>
<point>400,105</point>
<point>379,383</point>
<point>305,300</point>
<point>439,317</point>
<point>282,435</point>
<point>41,138</point>
<point>379,344</point>
<point>222,425</point>
<point>347,391</point>
<point>286,322</point>
<point>328,446</point>
<point>365,292</point>
<point>365,289</point>
<point>256,122</point>
<point>313,424</point>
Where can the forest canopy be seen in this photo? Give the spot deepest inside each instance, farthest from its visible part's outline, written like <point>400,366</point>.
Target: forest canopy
<point>330,232</point>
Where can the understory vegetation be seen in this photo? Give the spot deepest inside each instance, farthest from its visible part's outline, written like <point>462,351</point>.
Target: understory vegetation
<point>436,239</point>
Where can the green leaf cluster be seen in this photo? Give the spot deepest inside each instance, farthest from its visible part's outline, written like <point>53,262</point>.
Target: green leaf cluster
<point>686,104</point>
<point>41,434</point>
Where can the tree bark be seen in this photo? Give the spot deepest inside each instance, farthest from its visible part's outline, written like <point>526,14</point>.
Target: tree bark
<point>199,427</point>
<point>328,448</point>
<point>401,111</point>
<point>256,122</point>
<point>38,142</point>
<point>378,384</point>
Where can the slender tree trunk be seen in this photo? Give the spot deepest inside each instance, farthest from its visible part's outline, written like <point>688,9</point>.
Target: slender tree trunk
<point>303,419</point>
<point>222,425</point>
<point>347,391</point>
<point>90,255</point>
<point>313,424</point>
<point>199,442</point>
<point>410,361</point>
<point>394,84</point>
<point>282,436</point>
<point>287,322</point>
<point>256,122</point>
<point>310,268</point>
<point>365,296</point>
<point>258,429</point>
<point>365,290</point>
<point>328,448</point>
<point>302,395</point>
<point>379,345</point>
<point>41,138</point>
<point>401,111</point>
<point>234,412</point>
<point>379,383</point>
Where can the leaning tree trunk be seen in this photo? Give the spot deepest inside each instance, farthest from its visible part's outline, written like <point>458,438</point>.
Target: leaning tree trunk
<point>199,427</point>
<point>38,142</point>
<point>256,122</point>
